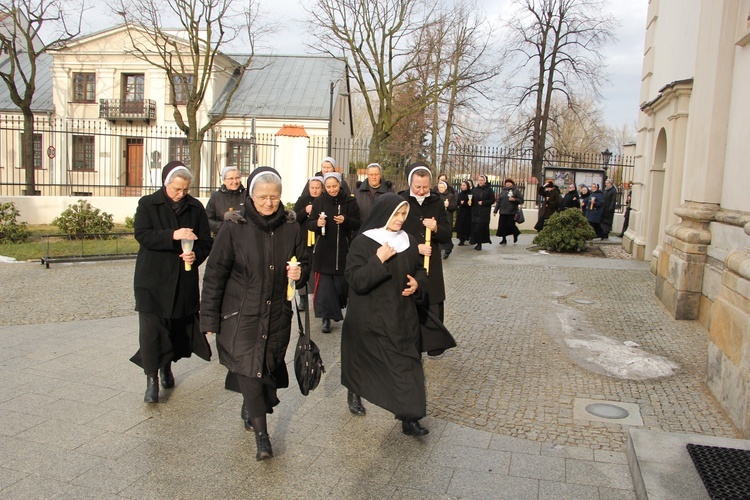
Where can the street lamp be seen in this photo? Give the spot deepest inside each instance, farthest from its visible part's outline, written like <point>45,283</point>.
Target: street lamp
<point>606,158</point>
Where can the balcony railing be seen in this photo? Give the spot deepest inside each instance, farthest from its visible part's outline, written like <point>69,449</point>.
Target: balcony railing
<point>118,109</point>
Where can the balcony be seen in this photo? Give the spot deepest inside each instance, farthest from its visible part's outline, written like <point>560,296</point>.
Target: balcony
<point>118,109</point>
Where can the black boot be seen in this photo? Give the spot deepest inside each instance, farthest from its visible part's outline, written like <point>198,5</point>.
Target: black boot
<point>478,247</point>
<point>263,442</point>
<point>167,378</point>
<point>302,302</point>
<point>355,404</point>
<point>461,243</point>
<point>152,388</point>
<point>246,418</point>
<point>413,428</point>
<point>326,326</point>
<point>504,241</point>
<point>515,238</point>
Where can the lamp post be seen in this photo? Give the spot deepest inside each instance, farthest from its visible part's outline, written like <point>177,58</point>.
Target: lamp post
<point>606,158</point>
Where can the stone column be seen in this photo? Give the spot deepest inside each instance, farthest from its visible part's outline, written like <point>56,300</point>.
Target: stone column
<point>683,256</point>
<point>291,160</point>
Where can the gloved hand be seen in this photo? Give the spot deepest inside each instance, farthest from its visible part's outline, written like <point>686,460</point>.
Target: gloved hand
<point>235,217</point>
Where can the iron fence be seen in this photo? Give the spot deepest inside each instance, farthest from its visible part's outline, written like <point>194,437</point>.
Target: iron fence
<point>94,157</point>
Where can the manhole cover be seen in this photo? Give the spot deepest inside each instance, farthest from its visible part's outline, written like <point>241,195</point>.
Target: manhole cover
<point>584,301</point>
<point>605,410</point>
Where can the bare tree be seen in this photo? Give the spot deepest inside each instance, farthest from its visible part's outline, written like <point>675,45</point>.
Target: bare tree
<point>382,42</point>
<point>192,57</point>
<point>22,50</point>
<point>558,41</point>
<point>576,127</point>
<point>456,48</point>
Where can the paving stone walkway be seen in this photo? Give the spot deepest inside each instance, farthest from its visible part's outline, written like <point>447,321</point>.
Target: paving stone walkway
<point>502,406</point>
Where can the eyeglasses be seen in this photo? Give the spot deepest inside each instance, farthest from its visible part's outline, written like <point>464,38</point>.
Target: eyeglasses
<point>264,199</point>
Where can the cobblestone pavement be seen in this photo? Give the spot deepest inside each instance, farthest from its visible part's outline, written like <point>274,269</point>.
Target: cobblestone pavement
<point>527,350</point>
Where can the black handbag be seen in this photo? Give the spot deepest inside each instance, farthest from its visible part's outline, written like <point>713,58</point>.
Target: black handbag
<point>308,365</point>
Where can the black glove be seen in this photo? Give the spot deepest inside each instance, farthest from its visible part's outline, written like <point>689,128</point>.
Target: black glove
<point>235,217</point>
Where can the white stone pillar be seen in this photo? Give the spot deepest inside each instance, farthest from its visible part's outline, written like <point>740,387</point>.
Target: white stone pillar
<point>291,160</point>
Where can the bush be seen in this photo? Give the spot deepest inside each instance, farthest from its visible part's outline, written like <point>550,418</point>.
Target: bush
<point>82,218</point>
<point>130,222</point>
<point>566,231</point>
<point>10,230</point>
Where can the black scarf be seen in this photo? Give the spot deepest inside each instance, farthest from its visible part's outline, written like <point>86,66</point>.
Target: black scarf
<point>177,206</point>
<point>266,223</point>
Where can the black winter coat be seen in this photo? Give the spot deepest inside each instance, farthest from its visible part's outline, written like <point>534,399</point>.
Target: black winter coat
<point>551,201</point>
<point>366,197</point>
<point>244,292</point>
<point>571,200</point>
<point>161,284</point>
<point>220,202</point>
<point>300,208</point>
<point>431,207</point>
<point>610,205</point>
<point>463,219</point>
<point>329,253</point>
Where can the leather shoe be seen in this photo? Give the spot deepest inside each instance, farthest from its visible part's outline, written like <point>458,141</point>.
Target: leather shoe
<point>461,243</point>
<point>515,238</point>
<point>167,378</point>
<point>414,428</point>
<point>326,326</point>
<point>152,389</point>
<point>302,305</point>
<point>263,443</point>
<point>447,254</point>
<point>478,247</point>
<point>355,404</point>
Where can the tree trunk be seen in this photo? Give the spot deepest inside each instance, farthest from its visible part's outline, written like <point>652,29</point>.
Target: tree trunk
<point>27,153</point>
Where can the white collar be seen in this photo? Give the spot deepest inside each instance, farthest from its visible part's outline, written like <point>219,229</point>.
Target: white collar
<point>399,240</point>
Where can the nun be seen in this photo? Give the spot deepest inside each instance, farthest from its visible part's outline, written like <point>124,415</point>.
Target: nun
<point>335,219</point>
<point>245,298</point>
<point>380,353</point>
<point>228,198</point>
<point>174,236</point>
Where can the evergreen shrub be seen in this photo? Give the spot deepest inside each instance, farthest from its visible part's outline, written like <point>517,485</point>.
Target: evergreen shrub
<point>11,231</point>
<point>82,218</point>
<point>567,231</point>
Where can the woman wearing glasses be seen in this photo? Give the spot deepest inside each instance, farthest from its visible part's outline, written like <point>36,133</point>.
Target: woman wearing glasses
<point>244,297</point>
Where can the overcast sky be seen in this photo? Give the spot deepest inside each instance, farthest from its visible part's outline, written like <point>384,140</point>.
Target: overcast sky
<point>624,57</point>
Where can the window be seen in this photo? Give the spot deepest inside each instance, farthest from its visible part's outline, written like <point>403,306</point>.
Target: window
<point>239,154</point>
<point>37,150</point>
<point>132,88</point>
<point>182,86</point>
<point>83,152</point>
<point>84,87</point>
<point>178,150</point>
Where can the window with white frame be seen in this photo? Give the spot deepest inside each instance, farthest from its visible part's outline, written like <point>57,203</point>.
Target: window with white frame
<point>83,152</point>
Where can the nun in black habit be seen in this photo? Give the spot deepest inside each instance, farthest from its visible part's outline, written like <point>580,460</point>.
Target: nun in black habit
<point>380,353</point>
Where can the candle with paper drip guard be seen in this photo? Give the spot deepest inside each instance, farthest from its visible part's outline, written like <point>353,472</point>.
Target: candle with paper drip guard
<point>187,246</point>
<point>290,287</point>
<point>323,228</point>
<point>427,240</point>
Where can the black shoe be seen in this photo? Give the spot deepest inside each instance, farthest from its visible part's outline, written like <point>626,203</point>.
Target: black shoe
<point>302,302</point>
<point>504,242</point>
<point>246,418</point>
<point>167,378</point>
<point>263,442</point>
<point>326,326</point>
<point>461,243</point>
<point>478,247</point>
<point>515,238</point>
<point>152,389</point>
<point>414,428</point>
<point>447,254</point>
<point>355,404</point>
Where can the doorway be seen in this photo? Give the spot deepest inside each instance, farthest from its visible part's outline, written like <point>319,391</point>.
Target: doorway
<point>134,164</point>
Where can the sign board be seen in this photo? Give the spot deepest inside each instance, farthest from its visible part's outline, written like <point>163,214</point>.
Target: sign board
<point>51,152</point>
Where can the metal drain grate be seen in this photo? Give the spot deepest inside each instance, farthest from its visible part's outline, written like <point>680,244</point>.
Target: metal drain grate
<point>725,471</point>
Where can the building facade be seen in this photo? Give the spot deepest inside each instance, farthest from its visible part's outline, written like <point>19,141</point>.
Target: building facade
<point>690,213</point>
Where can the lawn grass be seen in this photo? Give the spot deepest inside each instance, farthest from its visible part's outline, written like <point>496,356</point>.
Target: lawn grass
<point>37,247</point>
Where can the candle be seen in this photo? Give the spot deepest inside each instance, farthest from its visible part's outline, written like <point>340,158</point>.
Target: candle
<point>427,240</point>
<point>290,287</point>
<point>187,246</point>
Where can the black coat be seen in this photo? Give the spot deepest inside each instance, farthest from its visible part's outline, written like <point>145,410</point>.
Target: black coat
<point>380,356</point>
<point>329,254</point>
<point>571,200</point>
<point>431,207</point>
<point>220,202</point>
<point>481,214</point>
<point>595,207</point>
<point>366,197</point>
<point>161,284</point>
<point>610,205</point>
<point>463,219</point>
<point>300,207</point>
<point>244,293</point>
<point>504,205</point>
<point>551,201</point>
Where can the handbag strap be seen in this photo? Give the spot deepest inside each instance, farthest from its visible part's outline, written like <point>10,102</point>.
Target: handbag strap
<point>306,330</point>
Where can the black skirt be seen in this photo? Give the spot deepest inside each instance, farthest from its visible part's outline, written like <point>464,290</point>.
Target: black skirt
<point>506,226</point>
<point>331,292</point>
